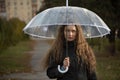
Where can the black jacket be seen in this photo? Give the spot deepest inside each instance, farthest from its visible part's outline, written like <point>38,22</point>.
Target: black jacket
<point>77,71</point>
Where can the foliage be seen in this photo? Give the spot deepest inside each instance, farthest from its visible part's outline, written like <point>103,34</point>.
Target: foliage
<point>10,32</point>
<point>118,45</point>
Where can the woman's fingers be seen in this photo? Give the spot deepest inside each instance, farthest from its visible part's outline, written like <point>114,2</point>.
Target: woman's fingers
<point>66,62</point>
<point>67,58</point>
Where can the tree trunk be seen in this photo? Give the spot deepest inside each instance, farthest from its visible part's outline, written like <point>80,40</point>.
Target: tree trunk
<point>112,48</point>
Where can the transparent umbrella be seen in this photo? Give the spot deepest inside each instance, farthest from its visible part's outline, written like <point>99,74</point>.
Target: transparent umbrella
<point>46,23</point>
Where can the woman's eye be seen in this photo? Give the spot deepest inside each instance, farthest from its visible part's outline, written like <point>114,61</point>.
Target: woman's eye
<point>67,30</point>
<point>73,31</point>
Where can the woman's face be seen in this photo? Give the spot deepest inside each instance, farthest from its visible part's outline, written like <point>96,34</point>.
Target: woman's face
<point>70,32</point>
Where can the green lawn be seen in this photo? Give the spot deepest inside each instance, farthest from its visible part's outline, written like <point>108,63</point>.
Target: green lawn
<point>108,67</point>
<point>15,58</point>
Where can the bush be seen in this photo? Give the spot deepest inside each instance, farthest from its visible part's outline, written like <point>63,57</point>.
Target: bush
<point>11,32</point>
<point>118,45</point>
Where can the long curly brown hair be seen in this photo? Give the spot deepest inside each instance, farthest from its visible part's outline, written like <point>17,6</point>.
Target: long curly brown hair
<point>82,49</point>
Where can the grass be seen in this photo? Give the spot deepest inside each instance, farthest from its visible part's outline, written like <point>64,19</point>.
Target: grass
<point>15,58</point>
<point>108,67</point>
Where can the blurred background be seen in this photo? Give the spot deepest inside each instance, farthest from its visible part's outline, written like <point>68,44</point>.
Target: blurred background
<point>15,14</point>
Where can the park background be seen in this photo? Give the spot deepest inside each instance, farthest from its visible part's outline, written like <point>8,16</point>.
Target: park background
<point>14,43</point>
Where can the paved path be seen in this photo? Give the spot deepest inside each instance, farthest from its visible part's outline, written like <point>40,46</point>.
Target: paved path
<point>40,48</point>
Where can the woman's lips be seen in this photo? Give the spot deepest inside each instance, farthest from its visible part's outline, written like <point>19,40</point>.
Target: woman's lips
<point>70,37</point>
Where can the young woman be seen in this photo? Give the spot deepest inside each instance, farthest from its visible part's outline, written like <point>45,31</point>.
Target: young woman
<point>70,57</point>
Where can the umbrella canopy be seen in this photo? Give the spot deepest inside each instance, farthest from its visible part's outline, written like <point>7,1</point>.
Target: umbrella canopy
<point>46,23</point>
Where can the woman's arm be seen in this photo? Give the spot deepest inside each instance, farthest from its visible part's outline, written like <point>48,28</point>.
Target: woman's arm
<point>52,70</point>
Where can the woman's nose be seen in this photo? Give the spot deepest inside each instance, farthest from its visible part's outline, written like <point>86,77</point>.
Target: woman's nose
<point>70,33</point>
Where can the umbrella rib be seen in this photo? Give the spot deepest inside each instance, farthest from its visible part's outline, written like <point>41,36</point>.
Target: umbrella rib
<point>99,31</point>
<point>94,23</point>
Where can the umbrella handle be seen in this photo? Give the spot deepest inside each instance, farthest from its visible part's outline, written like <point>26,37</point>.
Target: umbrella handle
<point>62,71</point>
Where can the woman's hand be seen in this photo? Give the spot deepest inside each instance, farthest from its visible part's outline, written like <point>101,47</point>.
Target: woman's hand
<point>66,62</point>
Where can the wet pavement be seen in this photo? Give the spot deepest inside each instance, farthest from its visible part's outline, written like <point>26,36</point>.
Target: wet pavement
<point>38,52</point>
